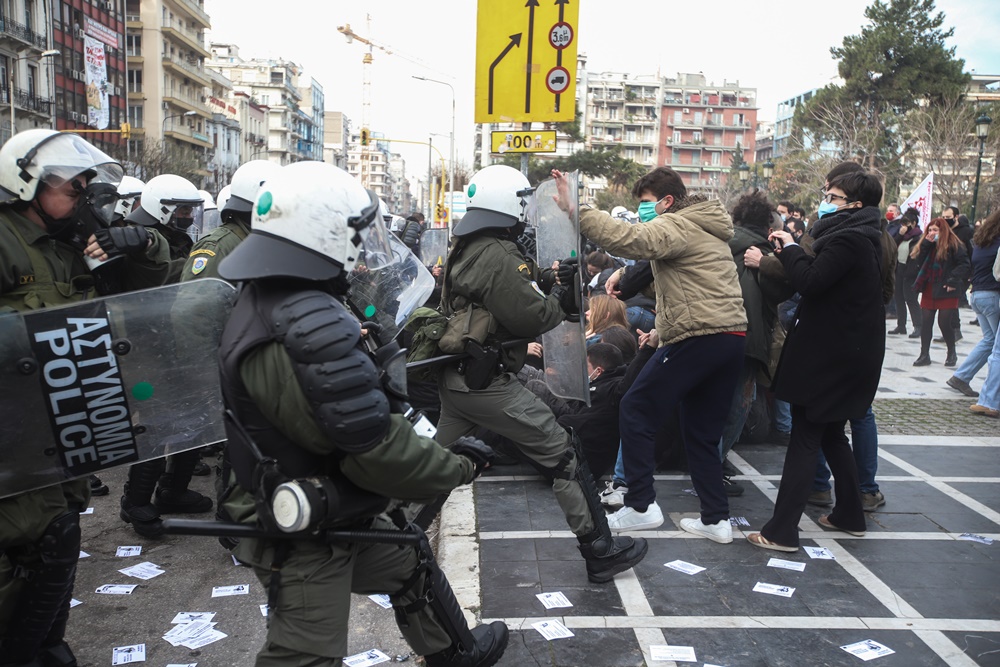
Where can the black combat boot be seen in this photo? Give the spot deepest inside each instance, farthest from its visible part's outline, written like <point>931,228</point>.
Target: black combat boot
<point>97,487</point>
<point>57,655</point>
<point>491,642</point>
<point>137,507</point>
<point>174,496</point>
<point>606,556</point>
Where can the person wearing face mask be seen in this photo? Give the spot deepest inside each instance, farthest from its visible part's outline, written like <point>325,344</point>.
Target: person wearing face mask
<point>829,387</point>
<point>702,334</point>
<point>170,205</point>
<point>51,186</point>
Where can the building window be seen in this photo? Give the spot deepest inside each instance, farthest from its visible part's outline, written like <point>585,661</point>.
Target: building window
<point>32,77</point>
<point>678,117</point>
<point>697,136</point>
<point>133,44</point>
<point>716,158</point>
<point>698,116</point>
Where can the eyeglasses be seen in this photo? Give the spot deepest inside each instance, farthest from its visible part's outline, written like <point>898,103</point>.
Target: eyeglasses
<point>829,197</point>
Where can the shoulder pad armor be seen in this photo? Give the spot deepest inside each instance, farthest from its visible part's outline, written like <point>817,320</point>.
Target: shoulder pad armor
<point>339,379</point>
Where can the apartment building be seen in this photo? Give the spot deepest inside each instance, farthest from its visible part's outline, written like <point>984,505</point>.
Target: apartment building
<point>703,125</point>
<point>336,138</point>
<point>167,82</point>
<point>88,70</point>
<point>274,84</point>
<point>309,124</point>
<point>622,109</point>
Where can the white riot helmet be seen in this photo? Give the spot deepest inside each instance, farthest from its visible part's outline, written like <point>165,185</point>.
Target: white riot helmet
<point>311,220</point>
<point>245,185</point>
<point>210,214</point>
<point>129,191</point>
<point>383,210</point>
<point>224,195</point>
<point>168,200</point>
<point>46,156</point>
<point>496,200</point>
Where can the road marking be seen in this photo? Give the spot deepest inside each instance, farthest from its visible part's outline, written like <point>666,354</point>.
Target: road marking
<point>916,625</point>
<point>813,533</point>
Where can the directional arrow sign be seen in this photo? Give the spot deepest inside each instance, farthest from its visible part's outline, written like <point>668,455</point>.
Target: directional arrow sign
<point>526,60</point>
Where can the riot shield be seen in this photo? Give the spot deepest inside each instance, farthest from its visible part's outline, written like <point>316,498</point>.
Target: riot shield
<point>111,381</point>
<point>434,246</point>
<point>557,236</point>
<point>388,294</point>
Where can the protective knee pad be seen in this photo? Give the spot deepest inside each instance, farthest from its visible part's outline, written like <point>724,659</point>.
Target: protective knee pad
<point>41,611</point>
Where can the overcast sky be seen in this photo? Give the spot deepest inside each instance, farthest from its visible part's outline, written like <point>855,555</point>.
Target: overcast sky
<point>780,47</point>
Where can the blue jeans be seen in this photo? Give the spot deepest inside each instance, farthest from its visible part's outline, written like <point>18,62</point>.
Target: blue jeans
<point>986,305</point>
<point>864,442</point>
<point>619,474</point>
<point>989,395</point>
<point>640,318</point>
<point>782,416</point>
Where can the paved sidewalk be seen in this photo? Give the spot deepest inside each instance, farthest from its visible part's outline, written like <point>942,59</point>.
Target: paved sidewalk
<point>910,584</point>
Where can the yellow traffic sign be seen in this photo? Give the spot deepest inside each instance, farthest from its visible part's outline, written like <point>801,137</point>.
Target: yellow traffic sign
<point>526,61</point>
<point>525,141</point>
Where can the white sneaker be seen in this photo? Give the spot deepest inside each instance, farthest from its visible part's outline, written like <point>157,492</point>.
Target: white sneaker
<point>721,532</point>
<point>629,519</point>
<point>613,496</point>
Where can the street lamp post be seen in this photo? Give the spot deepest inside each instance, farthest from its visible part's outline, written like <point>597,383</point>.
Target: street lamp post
<point>744,173</point>
<point>451,181</point>
<point>768,173</point>
<point>10,90</point>
<point>982,130</point>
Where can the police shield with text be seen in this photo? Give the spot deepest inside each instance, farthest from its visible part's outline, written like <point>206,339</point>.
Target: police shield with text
<point>332,452</point>
<point>56,193</point>
<point>488,280</point>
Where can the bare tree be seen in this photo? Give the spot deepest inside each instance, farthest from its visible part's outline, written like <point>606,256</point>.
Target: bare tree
<point>152,158</point>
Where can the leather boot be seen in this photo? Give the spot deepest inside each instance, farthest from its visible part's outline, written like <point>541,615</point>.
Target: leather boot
<point>952,359</point>
<point>58,655</point>
<point>491,642</point>
<point>137,507</point>
<point>174,496</point>
<point>606,556</point>
<point>923,360</point>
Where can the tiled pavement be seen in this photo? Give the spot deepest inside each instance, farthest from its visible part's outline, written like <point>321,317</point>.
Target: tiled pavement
<point>910,584</point>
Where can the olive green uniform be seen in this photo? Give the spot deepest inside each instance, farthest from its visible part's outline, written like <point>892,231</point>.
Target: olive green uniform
<point>493,273</point>
<point>36,271</point>
<point>208,251</point>
<point>309,625</point>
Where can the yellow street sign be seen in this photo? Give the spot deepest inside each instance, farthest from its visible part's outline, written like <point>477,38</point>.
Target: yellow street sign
<point>525,141</point>
<point>526,61</point>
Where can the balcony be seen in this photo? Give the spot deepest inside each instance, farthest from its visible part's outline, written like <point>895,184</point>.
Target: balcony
<point>178,34</point>
<point>186,134</point>
<point>186,70</point>
<point>196,11</point>
<point>187,104</point>
<point>22,33</point>
<point>26,101</point>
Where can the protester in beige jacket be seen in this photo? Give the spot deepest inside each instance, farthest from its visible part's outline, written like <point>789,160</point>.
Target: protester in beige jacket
<point>702,328</point>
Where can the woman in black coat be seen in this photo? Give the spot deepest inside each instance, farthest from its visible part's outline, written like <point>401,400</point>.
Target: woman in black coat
<point>832,358</point>
<point>944,267</point>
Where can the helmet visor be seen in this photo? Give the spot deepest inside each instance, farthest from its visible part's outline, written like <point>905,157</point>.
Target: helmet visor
<point>63,157</point>
<point>376,251</point>
<point>103,200</point>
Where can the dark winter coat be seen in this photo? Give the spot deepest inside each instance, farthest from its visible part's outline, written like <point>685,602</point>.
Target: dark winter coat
<point>910,238</point>
<point>832,358</point>
<point>952,272</point>
<point>761,295</point>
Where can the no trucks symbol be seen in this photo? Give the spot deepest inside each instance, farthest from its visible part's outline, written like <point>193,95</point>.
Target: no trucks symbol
<point>557,80</point>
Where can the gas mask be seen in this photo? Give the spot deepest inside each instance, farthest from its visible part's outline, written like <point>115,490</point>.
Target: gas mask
<point>95,210</point>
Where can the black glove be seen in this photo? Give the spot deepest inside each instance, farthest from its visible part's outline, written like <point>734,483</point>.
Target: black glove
<point>129,240</point>
<point>477,451</point>
<point>567,270</point>
<point>567,301</point>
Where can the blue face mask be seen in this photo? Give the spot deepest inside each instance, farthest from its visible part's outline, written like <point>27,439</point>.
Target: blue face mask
<point>784,218</point>
<point>825,208</point>
<point>647,210</point>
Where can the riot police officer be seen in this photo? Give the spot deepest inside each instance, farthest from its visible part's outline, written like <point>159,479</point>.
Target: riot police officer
<point>171,204</point>
<point>47,227</point>
<point>333,432</point>
<point>486,269</point>
<point>208,251</point>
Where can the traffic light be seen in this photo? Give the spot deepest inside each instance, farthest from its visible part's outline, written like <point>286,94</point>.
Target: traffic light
<point>364,136</point>
<point>126,131</point>
<point>441,213</point>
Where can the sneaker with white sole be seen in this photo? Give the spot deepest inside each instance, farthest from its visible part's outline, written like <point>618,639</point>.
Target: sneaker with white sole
<point>628,518</point>
<point>613,495</point>
<point>721,532</point>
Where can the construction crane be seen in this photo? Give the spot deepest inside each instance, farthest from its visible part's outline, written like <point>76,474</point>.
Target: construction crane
<point>366,94</point>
